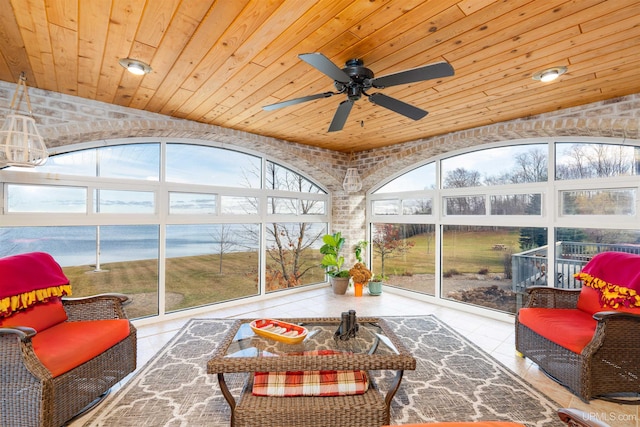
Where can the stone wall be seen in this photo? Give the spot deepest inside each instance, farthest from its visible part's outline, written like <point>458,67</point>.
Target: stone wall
<point>65,120</point>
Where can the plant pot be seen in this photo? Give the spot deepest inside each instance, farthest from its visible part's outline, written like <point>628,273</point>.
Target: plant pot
<point>375,288</point>
<point>339,285</point>
<point>357,289</point>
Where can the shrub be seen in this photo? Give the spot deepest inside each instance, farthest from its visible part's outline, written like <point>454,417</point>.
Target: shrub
<point>450,273</point>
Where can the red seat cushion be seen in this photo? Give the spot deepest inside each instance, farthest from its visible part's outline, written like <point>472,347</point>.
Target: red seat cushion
<point>70,344</point>
<point>39,317</point>
<point>570,328</point>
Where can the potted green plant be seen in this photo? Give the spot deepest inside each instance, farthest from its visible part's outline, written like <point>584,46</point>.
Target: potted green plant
<point>332,262</point>
<point>358,250</point>
<point>375,284</point>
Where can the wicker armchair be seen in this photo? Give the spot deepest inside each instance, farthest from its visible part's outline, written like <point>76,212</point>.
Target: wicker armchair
<point>608,367</point>
<point>58,356</point>
<point>31,396</point>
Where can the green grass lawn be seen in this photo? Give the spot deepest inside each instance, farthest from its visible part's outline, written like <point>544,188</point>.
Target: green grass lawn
<point>471,251</point>
<point>464,251</point>
<point>190,281</point>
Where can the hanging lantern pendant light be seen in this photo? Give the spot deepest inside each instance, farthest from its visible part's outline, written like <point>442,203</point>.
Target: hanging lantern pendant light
<point>352,182</point>
<point>20,141</point>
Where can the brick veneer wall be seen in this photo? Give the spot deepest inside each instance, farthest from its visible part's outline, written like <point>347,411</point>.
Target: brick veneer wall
<point>65,120</point>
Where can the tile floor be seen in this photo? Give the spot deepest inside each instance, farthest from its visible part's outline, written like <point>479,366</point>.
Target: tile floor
<point>496,337</point>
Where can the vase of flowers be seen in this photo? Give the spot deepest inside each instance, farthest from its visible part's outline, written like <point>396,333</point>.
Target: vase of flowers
<point>360,275</point>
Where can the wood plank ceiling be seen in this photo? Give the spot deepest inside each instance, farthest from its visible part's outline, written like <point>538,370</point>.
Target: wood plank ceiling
<point>220,61</point>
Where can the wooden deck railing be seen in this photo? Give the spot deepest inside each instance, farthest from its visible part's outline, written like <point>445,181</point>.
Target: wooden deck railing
<point>530,267</point>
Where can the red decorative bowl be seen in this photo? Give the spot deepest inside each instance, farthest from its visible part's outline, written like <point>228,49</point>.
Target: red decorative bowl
<point>278,330</point>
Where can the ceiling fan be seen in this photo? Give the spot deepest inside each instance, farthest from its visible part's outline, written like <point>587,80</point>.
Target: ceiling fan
<point>355,80</point>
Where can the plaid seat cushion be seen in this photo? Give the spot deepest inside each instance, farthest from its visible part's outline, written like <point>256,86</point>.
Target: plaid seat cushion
<point>311,383</point>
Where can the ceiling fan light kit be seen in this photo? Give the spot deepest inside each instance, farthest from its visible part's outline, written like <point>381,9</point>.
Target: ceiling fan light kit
<point>355,80</point>
<point>20,142</point>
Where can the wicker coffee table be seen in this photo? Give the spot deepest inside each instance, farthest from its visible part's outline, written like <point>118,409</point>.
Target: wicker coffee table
<point>375,347</point>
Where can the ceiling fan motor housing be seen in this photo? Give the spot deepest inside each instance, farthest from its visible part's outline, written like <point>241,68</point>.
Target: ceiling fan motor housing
<point>360,79</point>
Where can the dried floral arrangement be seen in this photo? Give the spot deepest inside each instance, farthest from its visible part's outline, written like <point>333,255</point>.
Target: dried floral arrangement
<point>360,273</point>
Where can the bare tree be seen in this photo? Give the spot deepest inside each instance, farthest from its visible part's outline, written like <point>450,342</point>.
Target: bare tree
<point>596,161</point>
<point>531,166</point>
<point>388,242</point>
<point>289,242</point>
<point>461,178</point>
<point>224,239</point>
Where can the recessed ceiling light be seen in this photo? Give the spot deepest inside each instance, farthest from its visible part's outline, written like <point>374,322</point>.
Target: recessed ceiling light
<point>550,74</point>
<point>134,66</point>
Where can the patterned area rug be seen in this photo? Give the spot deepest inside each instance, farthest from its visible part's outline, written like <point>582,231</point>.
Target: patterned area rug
<point>454,381</point>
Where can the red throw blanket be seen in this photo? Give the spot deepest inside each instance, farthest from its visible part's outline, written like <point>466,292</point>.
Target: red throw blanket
<point>616,275</point>
<point>30,278</point>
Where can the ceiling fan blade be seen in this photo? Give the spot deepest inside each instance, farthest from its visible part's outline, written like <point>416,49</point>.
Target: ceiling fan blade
<point>398,106</point>
<point>428,72</point>
<point>325,66</point>
<point>340,118</point>
<point>297,101</point>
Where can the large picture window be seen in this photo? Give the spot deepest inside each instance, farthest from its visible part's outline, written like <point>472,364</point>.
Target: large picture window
<point>482,235</point>
<point>210,263</point>
<point>404,254</point>
<point>174,225</point>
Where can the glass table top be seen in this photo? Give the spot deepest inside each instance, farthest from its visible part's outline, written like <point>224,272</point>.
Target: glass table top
<point>369,339</point>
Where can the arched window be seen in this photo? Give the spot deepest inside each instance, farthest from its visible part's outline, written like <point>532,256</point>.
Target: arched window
<point>475,226</point>
<point>174,224</point>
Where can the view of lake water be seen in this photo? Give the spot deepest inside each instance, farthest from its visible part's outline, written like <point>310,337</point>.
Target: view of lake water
<point>76,245</point>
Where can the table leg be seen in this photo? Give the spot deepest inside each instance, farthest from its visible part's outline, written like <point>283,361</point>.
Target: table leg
<point>392,392</point>
<point>228,396</point>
